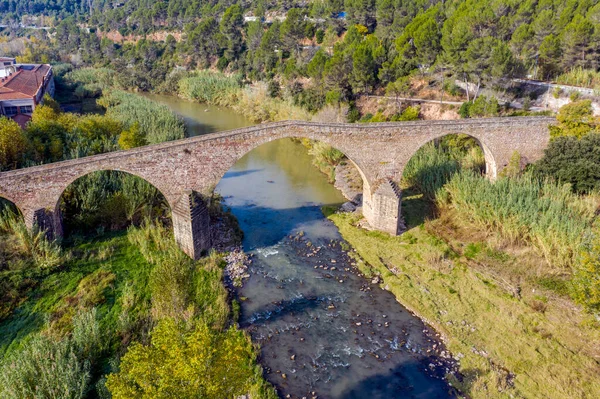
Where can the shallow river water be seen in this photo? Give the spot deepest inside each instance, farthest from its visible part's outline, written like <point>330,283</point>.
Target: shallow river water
<point>325,330</point>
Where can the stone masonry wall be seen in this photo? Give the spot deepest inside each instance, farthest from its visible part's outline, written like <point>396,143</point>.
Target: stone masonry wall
<point>380,151</point>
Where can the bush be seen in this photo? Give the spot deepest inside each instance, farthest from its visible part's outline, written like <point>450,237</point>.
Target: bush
<point>53,368</point>
<point>575,119</point>
<point>573,161</point>
<point>199,363</point>
<point>586,279</point>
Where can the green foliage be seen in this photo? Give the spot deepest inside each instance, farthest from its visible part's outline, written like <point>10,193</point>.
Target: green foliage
<point>53,368</point>
<point>575,119</point>
<point>585,285</point>
<point>209,87</point>
<point>110,200</point>
<point>157,123</point>
<point>411,113</point>
<point>430,168</point>
<point>133,137</point>
<point>513,169</point>
<point>12,144</point>
<point>527,209</point>
<point>589,78</point>
<point>481,107</point>
<point>573,161</point>
<point>199,363</point>
<point>34,245</point>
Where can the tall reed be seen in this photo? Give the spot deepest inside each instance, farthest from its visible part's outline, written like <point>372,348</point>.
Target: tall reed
<point>527,209</point>
<point>156,121</point>
<point>589,78</point>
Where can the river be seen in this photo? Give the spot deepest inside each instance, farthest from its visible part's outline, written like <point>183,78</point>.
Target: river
<point>325,331</point>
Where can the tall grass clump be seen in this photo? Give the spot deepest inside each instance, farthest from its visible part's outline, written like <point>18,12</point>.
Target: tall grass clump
<point>547,215</point>
<point>110,200</point>
<point>589,78</point>
<point>255,103</point>
<point>45,254</point>
<point>324,157</point>
<point>48,367</point>
<point>181,288</point>
<point>210,87</point>
<point>430,168</point>
<point>92,80</point>
<point>156,121</point>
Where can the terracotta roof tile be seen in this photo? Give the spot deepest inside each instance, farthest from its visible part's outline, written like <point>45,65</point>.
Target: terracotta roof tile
<point>25,83</point>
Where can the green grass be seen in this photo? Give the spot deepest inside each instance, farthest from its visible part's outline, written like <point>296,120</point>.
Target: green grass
<point>469,302</point>
<point>125,261</point>
<point>524,209</point>
<point>156,121</point>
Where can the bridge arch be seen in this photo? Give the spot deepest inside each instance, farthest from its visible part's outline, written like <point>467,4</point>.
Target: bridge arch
<point>51,218</point>
<point>7,201</point>
<point>297,136</point>
<point>491,164</point>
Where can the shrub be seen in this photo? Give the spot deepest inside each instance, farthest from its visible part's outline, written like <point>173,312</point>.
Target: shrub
<point>484,107</point>
<point>575,119</point>
<point>573,161</point>
<point>200,363</point>
<point>53,368</point>
<point>586,279</point>
<point>411,113</point>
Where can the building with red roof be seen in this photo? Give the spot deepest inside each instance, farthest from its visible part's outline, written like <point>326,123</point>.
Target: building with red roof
<point>22,88</point>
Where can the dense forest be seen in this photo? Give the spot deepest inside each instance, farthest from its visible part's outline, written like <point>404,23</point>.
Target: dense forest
<point>345,48</point>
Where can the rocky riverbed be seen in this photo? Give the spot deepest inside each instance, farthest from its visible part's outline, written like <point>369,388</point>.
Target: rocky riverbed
<point>329,332</point>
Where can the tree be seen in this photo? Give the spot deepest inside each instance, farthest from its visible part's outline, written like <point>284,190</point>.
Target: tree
<point>292,29</point>
<point>575,161</point>
<point>132,137</point>
<point>400,87</point>
<point>12,143</point>
<point>363,68</point>
<point>202,363</point>
<point>231,28</point>
<point>316,66</point>
<point>575,119</point>
<point>576,42</point>
<point>421,38</point>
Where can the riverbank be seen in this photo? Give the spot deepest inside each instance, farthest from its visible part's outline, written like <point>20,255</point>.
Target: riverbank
<point>512,337</point>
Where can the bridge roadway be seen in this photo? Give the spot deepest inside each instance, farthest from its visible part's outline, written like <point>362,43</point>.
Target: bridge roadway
<point>186,171</point>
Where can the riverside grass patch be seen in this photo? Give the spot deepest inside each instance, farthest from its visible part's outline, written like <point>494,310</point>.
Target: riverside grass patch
<point>528,350</point>
<point>126,278</point>
<point>527,209</point>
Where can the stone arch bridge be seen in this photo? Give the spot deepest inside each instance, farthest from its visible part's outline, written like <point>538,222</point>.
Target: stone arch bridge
<point>186,171</point>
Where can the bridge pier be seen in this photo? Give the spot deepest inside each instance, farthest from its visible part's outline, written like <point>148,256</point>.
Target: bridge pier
<point>191,224</point>
<point>46,220</point>
<point>382,208</point>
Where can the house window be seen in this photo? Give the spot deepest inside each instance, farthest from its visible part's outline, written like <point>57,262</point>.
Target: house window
<point>26,109</point>
<point>10,111</point>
